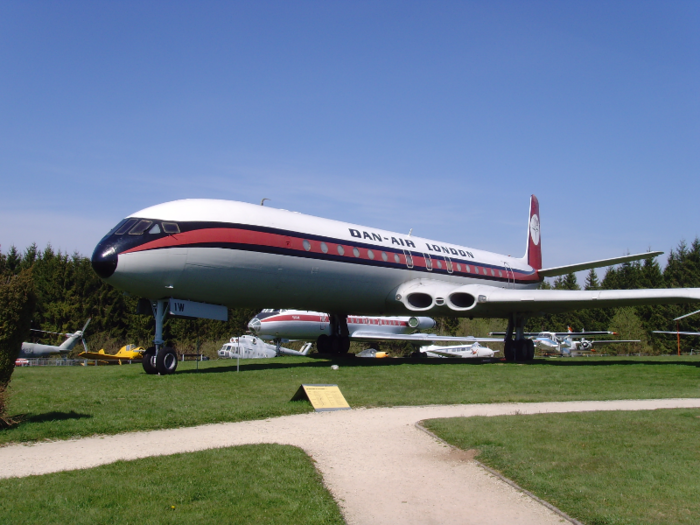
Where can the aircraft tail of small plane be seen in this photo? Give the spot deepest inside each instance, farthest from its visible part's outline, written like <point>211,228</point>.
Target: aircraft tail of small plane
<point>533,249</point>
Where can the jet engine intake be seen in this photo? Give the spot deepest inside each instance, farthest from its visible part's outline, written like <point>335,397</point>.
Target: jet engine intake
<point>462,301</point>
<point>423,294</point>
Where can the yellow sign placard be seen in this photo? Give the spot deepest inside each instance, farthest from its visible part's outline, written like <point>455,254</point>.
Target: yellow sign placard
<point>322,397</point>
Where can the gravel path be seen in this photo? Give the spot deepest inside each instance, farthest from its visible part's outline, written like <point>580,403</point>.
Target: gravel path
<point>380,468</point>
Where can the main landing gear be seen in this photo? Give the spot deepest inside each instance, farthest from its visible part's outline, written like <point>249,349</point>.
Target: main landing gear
<point>159,359</point>
<point>339,340</point>
<point>518,349</point>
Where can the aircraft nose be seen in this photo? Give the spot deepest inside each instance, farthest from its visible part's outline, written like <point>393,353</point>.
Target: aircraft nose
<point>254,325</point>
<point>104,260</point>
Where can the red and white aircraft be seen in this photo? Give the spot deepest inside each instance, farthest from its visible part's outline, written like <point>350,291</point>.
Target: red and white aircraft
<point>196,257</point>
<point>303,325</point>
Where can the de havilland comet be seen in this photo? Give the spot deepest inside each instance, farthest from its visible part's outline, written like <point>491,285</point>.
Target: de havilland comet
<point>196,257</point>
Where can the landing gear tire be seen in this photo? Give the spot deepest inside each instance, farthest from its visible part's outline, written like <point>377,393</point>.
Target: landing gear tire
<point>530,349</point>
<point>341,345</point>
<point>149,365</point>
<point>166,362</point>
<point>323,344</point>
<point>509,351</point>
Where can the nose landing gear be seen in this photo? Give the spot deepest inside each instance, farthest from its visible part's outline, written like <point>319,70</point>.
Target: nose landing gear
<point>159,359</point>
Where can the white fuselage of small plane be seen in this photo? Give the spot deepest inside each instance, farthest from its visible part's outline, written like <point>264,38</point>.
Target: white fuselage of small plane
<point>470,351</point>
<point>304,325</point>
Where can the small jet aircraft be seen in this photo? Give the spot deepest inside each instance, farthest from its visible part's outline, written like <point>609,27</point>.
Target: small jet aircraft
<point>565,344</point>
<point>30,350</point>
<point>251,347</point>
<point>303,325</point>
<point>125,353</point>
<point>197,257</point>
<point>473,350</point>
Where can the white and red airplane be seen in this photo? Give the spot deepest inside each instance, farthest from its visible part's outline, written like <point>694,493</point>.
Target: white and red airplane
<point>196,257</point>
<point>303,325</point>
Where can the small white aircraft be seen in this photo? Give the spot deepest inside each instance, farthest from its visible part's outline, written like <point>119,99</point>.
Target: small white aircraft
<point>30,350</point>
<point>304,325</point>
<point>473,350</point>
<point>250,347</point>
<point>565,344</point>
<point>197,257</point>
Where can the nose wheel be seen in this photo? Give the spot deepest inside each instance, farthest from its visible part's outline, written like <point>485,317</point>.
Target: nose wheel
<point>159,359</point>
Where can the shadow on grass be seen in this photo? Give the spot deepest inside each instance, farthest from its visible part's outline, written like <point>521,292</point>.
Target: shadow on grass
<point>53,416</point>
<point>325,362</point>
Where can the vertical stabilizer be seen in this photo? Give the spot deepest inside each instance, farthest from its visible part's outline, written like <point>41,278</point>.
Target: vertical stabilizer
<point>533,251</point>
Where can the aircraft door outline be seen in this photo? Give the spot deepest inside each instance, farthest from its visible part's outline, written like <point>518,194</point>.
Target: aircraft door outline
<point>428,262</point>
<point>409,259</point>
<point>510,274</point>
<point>448,263</point>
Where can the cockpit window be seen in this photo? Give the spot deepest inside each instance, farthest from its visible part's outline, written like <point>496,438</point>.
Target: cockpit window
<point>155,229</point>
<point>140,227</point>
<point>171,228</point>
<point>124,226</point>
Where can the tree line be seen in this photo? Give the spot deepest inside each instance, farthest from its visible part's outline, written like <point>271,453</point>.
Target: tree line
<point>68,292</point>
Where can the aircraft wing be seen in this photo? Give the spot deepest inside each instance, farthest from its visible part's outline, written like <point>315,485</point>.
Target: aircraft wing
<point>367,335</point>
<point>608,341</point>
<point>478,300</point>
<point>560,334</point>
<point>674,333</point>
<point>571,268</point>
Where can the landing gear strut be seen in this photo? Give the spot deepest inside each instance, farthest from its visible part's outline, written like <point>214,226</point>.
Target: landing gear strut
<point>339,340</point>
<point>159,359</point>
<point>519,348</point>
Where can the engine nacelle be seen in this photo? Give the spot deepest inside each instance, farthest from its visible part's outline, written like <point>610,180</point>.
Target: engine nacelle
<point>423,294</point>
<point>584,345</point>
<point>421,323</point>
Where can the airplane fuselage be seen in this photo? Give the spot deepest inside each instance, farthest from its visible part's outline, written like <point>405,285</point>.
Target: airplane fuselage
<point>308,326</point>
<point>238,254</point>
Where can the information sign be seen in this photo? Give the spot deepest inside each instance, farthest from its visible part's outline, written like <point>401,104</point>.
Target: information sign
<point>322,397</point>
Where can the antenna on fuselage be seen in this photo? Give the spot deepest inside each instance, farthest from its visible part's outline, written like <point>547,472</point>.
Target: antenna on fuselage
<point>262,202</point>
<point>410,232</point>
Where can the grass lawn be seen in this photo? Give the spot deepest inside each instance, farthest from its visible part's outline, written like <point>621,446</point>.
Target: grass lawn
<point>247,484</point>
<point>65,402</point>
<point>603,468</point>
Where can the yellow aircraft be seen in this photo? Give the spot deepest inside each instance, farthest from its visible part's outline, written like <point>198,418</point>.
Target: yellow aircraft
<point>126,353</point>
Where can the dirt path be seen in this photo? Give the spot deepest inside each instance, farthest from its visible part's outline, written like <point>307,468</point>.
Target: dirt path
<point>380,468</point>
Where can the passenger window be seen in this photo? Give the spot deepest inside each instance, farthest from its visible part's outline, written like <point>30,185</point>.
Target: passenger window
<point>171,228</point>
<point>126,224</point>
<point>140,227</point>
<point>155,229</point>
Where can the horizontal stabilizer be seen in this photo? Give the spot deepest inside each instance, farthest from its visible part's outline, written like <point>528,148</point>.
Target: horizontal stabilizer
<point>686,315</point>
<point>564,270</point>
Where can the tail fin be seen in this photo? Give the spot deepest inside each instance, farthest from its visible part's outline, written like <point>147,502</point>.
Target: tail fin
<point>533,250</point>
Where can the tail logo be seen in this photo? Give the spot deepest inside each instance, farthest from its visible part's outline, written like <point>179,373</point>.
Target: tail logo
<point>535,229</point>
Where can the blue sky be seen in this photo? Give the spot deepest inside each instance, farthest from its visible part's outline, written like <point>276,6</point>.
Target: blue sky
<point>438,116</point>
